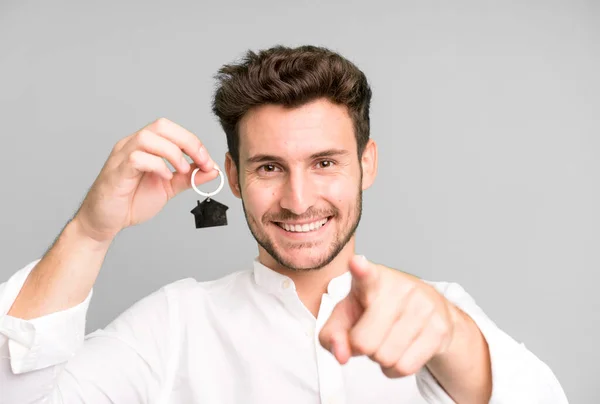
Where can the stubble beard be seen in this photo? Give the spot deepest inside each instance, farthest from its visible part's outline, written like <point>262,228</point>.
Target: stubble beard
<point>341,238</point>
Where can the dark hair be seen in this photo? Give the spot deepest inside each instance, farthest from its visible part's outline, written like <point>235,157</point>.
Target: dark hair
<point>290,77</point>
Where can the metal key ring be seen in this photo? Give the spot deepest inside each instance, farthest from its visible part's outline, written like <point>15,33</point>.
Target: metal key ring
<point>208,194</point>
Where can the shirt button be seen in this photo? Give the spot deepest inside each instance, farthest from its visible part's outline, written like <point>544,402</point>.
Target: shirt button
<point>286,284</point>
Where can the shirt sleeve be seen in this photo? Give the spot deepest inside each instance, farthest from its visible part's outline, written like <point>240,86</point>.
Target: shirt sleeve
<point>40,342</point>
<point>518,376</point>
<point>50,359</point>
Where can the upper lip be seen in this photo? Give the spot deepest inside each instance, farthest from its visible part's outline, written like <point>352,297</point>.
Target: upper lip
<point>304,222</point>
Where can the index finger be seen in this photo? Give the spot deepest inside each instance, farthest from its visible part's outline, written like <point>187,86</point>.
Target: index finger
<point>366,277</point>
<point>185,140</point>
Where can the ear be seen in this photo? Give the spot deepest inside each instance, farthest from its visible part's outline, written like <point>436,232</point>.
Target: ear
<point>232,175</point>
<point>369,164</point>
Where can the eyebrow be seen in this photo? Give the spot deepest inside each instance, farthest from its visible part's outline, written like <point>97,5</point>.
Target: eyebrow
<point>261,158</point>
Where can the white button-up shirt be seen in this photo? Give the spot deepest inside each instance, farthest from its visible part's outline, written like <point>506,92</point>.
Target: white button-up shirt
<point>244,338</point>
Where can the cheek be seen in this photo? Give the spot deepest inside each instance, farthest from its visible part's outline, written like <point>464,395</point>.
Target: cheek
<point>259,199</point>
<point>340,192</point>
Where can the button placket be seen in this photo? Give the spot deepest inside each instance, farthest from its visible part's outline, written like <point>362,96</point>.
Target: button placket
<point>309,331</point>
<point>331,379</point>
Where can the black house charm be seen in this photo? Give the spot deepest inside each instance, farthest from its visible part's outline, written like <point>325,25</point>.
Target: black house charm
<point>210,213</point>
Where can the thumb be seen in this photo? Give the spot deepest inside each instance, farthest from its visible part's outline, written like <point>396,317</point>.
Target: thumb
<point>334,335</point>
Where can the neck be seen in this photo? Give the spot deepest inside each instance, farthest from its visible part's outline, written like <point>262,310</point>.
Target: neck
<point>312,284</point>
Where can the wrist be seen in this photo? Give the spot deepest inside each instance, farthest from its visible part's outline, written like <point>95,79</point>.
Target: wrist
<point>464,368</point>
<point>76,231</point>
<point>466,344</point>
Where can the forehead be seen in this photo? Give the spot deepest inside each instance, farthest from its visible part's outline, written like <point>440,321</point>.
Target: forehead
<point>297,132</point>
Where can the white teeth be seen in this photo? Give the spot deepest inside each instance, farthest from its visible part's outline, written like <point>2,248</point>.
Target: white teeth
<point>303,228</point>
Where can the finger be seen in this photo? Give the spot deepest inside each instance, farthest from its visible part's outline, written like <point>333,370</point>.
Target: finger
<point>375,324</point>
<point>334,334</point>
<point>139,161</point>
<point>182,181</point>
<point>150,142</point>
<point>185,140</point>
<point>121,143</point>
<point>417,355</point>
<point>405,330</point>
<point>365,275</point>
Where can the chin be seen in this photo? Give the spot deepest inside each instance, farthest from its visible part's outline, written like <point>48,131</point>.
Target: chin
<point>307,257</point>
<point>302,260</point>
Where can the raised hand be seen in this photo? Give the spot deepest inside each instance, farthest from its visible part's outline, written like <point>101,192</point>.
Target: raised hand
<point>135,183</point>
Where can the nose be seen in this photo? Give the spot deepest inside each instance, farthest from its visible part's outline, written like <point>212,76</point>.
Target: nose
<point>298,193</point>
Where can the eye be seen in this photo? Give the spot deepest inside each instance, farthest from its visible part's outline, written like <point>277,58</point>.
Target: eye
<point>267,168</point>
<point>326,163</point>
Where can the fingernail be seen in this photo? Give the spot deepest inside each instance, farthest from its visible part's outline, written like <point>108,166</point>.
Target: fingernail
<point>362,258</point>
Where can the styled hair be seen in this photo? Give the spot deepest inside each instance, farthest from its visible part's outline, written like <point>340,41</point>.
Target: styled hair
<point>290,77</point>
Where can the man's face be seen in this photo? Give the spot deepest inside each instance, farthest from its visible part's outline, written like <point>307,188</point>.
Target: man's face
<point>300,181</point>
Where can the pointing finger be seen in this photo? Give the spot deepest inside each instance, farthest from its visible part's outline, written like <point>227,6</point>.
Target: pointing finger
<point>365,276</point>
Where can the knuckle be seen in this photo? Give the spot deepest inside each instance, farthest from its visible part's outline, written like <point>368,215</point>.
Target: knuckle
<point>134,157</point>
<point>119,145</point>
<point>439,325</point>
<point>384,359</point>
<point>408,289</point>
<point>424,307</point>
<point>143,137</point>
<point>405,367</point>
<point>161,123</point>
<point>361,345</point>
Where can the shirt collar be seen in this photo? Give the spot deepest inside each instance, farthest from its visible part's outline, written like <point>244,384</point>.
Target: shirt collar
<point>277,283</point>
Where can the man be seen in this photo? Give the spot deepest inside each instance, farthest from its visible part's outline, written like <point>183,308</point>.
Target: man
<point>311,322</point>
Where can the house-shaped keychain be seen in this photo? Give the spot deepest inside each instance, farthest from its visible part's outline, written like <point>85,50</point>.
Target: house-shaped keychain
<point>210,213</point>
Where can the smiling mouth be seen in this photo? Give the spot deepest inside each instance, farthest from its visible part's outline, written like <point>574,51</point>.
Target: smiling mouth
<point>303,228</point>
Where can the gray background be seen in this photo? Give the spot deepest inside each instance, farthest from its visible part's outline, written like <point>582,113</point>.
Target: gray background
<point>486,115</point>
